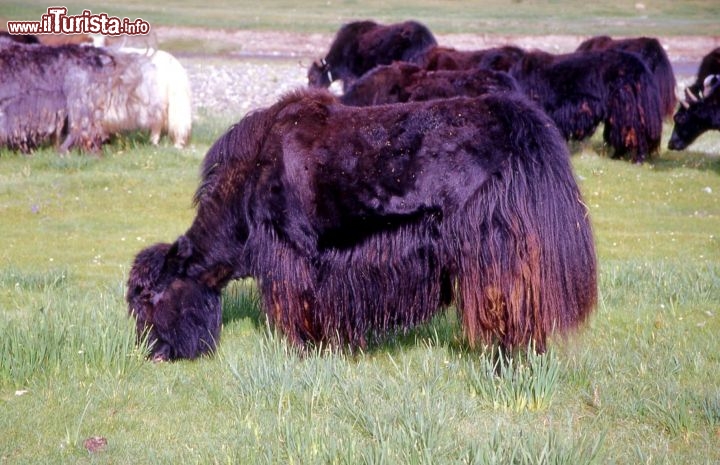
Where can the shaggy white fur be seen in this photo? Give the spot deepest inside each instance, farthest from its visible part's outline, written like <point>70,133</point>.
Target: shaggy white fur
<point>168,85</point>
<point>173,87</point>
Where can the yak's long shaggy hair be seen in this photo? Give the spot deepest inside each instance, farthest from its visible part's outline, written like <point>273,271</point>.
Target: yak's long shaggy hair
<point>360,222</point>
<point>33,104</point>
<point>79,94</point>
<point>405,82</point>
<point>652,53</point>
<point>581,90</point>
<point>168,86</point>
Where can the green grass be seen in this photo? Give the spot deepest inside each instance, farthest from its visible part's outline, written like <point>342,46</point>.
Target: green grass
<point>660,17</point>
<point>639,384</point>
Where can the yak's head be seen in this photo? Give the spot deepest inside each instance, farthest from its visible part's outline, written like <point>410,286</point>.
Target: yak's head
<point>180,315</point>
<point>696,114</point>
<point>319,74</point>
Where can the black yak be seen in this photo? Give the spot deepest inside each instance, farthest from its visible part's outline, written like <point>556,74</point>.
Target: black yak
<point>652,53</point>
<point>362,45</point>
<point>358,222</point>
<point>581,90</point>
<point>697,114</point>
<point>405,82</point>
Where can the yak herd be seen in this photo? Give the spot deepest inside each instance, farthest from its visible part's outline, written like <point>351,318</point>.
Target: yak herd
<point>437,178</point>
<point>627,84</point>
<point>74,96</point>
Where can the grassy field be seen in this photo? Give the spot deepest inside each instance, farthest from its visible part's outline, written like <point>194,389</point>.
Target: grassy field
<point>639,385</point>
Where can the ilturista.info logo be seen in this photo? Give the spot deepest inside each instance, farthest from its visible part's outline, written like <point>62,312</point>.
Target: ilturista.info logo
<point>58,21</point>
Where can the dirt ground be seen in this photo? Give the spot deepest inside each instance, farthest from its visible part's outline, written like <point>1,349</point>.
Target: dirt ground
<point>681,49</point>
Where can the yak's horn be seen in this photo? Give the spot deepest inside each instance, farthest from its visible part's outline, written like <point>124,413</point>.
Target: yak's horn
<point>690,97</point>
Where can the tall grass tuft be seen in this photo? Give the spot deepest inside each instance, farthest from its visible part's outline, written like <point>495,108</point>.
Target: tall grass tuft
<point>710,410</point>
<point>241,300</point>
<point>533,448</point>
<point>674,416</point>
<point>68,332</point>
<point>519,382</point>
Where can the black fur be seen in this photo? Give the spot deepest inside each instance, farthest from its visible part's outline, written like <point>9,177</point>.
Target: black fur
<point>698,114</point>
<point>653,54</point>
<point>360,46</point>
<point>181,321</point>
<point>581,90</point>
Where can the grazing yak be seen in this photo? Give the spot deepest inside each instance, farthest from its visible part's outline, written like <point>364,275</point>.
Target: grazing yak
<point>360,46</point>
<point>78,94</point>
<point>405,82</point>
<point>652,53</point>
<point>697,114</point>
<point>359,222</point>
<point>46,94</point>
<point>581,90</point>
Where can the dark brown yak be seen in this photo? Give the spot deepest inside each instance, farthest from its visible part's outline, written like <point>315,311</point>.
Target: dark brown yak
<point>405,82</point>
<point>360,222</point>
<point>652,53</point>
<point>583,89</point>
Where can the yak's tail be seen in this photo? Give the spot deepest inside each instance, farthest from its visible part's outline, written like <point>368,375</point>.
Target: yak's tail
<point>633,125</point>
<point>525,250</point>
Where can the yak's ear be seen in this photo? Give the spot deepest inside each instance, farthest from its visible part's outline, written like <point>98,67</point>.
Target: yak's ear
<point>179,254</point>
<point>147,266</point>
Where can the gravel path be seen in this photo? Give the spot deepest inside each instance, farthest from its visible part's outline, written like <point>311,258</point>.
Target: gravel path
<point>235,86</point>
